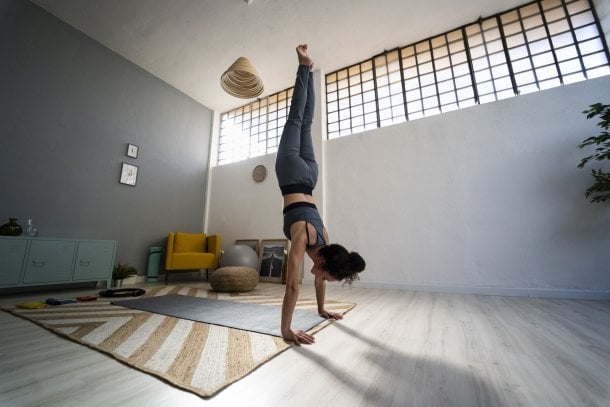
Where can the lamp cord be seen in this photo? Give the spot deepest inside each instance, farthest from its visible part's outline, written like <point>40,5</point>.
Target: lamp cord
<point>245,25</point>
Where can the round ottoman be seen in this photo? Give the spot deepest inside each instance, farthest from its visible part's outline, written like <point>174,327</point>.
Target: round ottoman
<point>234,279</point>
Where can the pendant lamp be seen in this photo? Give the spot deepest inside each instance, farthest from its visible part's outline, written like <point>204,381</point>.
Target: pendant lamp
<point>241,79</point>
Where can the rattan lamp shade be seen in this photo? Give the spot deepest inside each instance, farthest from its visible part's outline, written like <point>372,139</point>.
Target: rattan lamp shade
<point>241,80</point>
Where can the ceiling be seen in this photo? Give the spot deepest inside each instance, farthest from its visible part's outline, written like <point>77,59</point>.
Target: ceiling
<point>190,43</point>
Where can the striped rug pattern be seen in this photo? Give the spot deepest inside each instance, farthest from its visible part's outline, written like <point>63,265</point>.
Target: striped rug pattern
<point>194,356</point>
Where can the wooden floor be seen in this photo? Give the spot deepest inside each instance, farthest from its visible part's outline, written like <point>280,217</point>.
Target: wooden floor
<point>396,348</point>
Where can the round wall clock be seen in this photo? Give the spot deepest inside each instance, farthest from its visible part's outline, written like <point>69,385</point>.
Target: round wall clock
<point>259,173</point>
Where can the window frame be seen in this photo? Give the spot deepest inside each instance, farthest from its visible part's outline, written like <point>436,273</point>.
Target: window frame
<point>495,60</point>
<point>449,75</point>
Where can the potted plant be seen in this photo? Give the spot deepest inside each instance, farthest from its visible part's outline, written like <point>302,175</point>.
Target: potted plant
<point>600,190</point>
<point>121,272</point>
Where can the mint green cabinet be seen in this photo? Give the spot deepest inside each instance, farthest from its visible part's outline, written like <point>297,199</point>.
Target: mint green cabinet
<point>37,261</point>
<point>49,261</point>
<point>93,260</point>
<point>12,256</point>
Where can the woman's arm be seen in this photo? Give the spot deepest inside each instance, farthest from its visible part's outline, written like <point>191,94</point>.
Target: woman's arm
<point>320,285</point>
<point>295,257</point>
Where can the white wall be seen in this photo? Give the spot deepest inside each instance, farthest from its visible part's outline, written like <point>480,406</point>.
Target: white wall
<point>486,199</point>
<point>482,200</point>
<point>240,208</point>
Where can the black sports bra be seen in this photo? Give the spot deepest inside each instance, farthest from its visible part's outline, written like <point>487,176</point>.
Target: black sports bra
<point>304,211</point>
<point>319,237</point>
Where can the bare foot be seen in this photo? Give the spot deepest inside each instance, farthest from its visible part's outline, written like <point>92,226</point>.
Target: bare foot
<point>304,59</point>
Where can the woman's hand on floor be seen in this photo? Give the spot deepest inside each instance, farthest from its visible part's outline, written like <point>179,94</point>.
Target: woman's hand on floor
<point>330,315</point>
<point>299,337</point>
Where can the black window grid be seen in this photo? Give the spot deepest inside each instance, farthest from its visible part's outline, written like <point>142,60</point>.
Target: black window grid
<point>254,129</point>
<point>542,44</point>
<point>539,45</point>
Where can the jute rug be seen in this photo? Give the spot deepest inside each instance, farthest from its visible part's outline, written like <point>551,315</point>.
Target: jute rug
<point>195,356</point>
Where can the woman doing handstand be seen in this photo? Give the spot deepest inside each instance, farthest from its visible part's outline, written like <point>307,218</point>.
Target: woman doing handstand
<point>297,174</point>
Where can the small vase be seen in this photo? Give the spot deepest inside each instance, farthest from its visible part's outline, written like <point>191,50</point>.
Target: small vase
<point>31,229</point>
<point>11,228</point>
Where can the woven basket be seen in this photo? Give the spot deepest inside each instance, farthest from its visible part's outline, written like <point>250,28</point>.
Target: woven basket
<point>241,80</point>
<point>234,279</point>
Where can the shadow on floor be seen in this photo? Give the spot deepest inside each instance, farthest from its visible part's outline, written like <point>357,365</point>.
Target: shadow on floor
<point>400,379</point>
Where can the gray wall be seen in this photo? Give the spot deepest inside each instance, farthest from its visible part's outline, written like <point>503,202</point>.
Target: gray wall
<point>68,108</point>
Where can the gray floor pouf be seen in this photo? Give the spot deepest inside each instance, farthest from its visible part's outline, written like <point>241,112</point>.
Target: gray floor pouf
<point>234,279</point>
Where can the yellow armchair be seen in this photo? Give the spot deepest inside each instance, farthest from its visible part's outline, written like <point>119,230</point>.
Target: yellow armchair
<point>191,251</point>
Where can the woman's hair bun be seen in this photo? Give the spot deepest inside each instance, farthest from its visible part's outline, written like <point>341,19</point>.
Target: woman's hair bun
<point>356,262</point>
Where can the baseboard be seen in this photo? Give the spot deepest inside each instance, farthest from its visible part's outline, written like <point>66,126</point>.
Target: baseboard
<point>499,291</point>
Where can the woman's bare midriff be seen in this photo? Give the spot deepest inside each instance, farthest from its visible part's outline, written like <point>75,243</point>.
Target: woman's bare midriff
<point>298,197</point>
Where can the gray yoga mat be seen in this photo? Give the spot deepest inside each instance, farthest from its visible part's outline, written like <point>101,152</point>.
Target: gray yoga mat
<point>263,319</point>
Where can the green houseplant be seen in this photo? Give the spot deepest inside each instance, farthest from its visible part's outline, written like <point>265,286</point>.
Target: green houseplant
<point>600,190</point>
<point>122,271</point>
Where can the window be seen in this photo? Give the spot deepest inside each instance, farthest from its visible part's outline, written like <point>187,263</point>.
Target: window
<point>351,99</point>
<point>254,129</point>
<point>537,46</point>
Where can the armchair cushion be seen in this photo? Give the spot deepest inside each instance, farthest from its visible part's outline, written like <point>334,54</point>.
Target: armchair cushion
<point>189,242</point>
<point>194,261</point>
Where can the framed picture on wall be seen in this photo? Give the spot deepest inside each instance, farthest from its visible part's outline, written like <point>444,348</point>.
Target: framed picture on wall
<point>274,253</point>
<point>129,174</point>
<point>132,150</point>
<point>254,244</point>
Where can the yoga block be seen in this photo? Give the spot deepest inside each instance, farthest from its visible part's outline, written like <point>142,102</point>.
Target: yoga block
<point>234,279</point>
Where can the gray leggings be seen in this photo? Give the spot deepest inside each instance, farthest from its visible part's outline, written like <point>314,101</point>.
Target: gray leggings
<point>296,162</point>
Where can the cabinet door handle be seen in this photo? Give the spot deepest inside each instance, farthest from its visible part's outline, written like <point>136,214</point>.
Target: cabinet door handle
<point>84,262</point>
<point>38,263</point>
